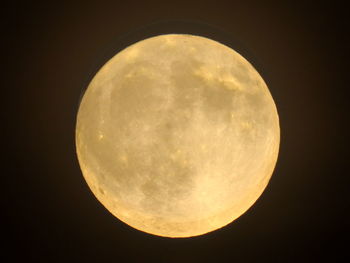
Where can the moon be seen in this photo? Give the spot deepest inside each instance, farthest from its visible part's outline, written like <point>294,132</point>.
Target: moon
<point>177,135</point>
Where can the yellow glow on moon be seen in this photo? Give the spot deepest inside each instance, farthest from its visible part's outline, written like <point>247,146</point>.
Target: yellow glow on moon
<point>177,135</point>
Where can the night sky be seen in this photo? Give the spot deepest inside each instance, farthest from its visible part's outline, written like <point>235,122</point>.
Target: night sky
<point>51,50</point>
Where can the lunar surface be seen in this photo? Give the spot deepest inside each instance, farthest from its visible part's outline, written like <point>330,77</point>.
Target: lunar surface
<point>177,135</point>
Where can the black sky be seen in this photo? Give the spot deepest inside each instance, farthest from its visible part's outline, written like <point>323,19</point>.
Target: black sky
<point>52,49</point>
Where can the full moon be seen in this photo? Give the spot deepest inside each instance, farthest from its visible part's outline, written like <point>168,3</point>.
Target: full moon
<point>177,135</point>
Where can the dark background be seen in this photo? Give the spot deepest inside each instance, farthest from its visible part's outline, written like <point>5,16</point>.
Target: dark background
<point>52,49</point>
